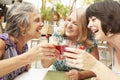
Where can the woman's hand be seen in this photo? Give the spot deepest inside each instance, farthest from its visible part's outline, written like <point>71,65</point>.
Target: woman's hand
<point>43,51</point>
<point>28,66</point>
<point>73,74</point>
<point>79,58</point>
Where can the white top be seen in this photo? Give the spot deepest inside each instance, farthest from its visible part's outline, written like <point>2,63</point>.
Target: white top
<point>113,63</point>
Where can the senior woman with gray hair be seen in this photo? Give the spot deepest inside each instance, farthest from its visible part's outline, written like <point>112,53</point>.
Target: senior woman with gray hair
<point>23,23</point>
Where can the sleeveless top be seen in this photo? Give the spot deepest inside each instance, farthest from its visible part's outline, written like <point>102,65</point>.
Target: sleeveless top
<point>113,63</point>
<point>60,65</point>
<point>11,51</point>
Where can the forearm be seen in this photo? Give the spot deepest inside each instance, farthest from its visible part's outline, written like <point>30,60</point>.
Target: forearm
<point>46,63</point>
<point>104,73</point>
<point>86,74</point>
<point>11,64</point>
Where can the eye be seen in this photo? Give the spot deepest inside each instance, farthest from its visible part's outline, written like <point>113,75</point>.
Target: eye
<point>68,19</point>
<point>93,18</point>
<point>37,20</point>
<point>75,23</point>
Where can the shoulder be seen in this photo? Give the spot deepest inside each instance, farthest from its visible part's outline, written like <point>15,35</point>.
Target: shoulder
<point>2,44</point>
<point>2,47</point>
<point>4,39</point>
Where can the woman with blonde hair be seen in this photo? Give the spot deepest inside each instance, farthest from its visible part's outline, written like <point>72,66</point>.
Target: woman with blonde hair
<point>74,34</point>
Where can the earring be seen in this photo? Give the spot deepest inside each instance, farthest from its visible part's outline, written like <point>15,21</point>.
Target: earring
<point>23,33</point>
<point>110,34</point>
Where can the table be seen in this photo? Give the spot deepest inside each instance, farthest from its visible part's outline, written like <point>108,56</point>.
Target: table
<point>33,74</point>
<point>56,75</point>
<point>42,74</point>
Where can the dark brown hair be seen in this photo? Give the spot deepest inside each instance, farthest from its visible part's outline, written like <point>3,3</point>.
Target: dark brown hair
<point>108,12</point>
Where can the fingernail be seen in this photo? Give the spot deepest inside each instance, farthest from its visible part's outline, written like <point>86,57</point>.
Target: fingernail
<point>64,48</point>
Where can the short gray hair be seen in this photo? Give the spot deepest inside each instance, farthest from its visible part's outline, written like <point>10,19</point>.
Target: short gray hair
<point>17,16</point>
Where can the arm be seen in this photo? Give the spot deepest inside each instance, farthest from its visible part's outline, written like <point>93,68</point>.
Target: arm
<point>41,51</point>
<point>80,75</point>
<point>13,63</point>
<point>54,39</point>
<point>103,72</point>
<point>102,69</point>
<point>88,62</point>
<point>47,62</point>
<point>86,73</point>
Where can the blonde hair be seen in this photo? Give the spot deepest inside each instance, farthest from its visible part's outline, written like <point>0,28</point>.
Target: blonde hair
<point>84,32</point>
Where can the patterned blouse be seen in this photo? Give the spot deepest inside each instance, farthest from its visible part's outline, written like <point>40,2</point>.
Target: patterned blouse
<point>60,64</point>
<point>11,51</point>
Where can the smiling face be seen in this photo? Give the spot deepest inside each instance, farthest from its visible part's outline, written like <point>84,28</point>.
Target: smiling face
<point>35,26</point>
<point>71,26</point>
<point>95,26</point>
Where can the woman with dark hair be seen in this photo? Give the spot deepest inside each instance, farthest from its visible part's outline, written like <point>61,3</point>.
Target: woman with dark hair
<point>104,22</point>
<point>23,23</point>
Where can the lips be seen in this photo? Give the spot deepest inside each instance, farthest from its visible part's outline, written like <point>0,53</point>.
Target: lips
<point>69,31</point>
<point>39,30</point>
<point>95,31</point>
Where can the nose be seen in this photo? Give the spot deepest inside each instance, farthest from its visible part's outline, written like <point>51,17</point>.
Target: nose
<point>41,24</point>
<point>89,24</point>
<point>69,24</point>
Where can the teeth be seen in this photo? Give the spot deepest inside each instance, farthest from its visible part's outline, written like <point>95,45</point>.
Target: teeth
<point>39,30</point>
<point>95,31</point>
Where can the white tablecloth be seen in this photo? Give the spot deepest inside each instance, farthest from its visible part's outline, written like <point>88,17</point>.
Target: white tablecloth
<point>33,74</point>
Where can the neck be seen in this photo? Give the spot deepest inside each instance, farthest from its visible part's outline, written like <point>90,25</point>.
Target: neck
<point>71,41</point>
<point>21,43</point>
<point>114,41</point>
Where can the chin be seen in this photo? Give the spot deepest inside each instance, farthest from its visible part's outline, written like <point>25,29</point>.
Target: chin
<point>37,36</point>
<point>97,38</point>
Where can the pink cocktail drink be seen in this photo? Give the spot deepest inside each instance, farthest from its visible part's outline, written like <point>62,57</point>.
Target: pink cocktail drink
<point>61,49</point>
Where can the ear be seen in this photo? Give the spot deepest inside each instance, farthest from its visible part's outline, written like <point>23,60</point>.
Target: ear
<point>22,30</point>
<point>109,34</point>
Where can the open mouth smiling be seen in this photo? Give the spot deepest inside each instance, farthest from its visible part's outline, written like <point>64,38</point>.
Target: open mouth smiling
<point>95,31</point>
